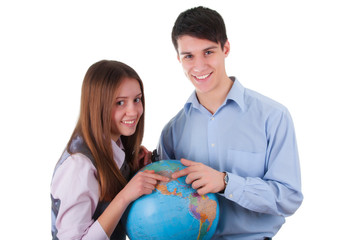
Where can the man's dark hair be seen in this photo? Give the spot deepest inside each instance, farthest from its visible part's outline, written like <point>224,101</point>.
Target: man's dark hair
<point>202,23</point>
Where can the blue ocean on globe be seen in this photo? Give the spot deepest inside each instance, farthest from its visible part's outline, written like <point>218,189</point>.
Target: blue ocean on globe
<point>174,210</point>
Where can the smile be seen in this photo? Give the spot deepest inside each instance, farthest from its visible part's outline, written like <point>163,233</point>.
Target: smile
<point>202,77</point>
<point>128,122</point>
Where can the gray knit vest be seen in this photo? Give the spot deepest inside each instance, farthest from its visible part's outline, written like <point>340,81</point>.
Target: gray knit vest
<point>78,146</point>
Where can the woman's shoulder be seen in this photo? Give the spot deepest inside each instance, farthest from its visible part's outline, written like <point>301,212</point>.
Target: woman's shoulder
<point>77,171</point>
<point>75,163</point>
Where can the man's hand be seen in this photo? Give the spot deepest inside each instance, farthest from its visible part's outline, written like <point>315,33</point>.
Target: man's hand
<point>201,177</point>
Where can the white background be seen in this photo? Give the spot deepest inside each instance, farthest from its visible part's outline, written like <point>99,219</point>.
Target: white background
<point>304,54</point>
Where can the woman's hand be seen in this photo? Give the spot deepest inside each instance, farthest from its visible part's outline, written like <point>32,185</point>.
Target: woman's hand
<point>144,157</point>
<point>141,184</point>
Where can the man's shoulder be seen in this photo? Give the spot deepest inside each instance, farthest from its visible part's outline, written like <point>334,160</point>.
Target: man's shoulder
<point>255,99</point>
<point>179,118</point>
<point>252,100</point>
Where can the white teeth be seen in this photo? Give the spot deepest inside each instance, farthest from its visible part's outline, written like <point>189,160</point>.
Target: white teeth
<point>128,122</point>
<point>203,76</point>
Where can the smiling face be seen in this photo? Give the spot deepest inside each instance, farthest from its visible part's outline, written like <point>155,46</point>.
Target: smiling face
<point>127,109</point>
<point>203,62</point>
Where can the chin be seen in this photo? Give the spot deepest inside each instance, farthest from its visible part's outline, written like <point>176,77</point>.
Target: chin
<point>128,133</point>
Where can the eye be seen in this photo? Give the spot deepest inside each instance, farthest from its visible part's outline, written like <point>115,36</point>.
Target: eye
<point>208,53</point>
<point>137,100</point>
<point>188,57</point>
<point>120,103</point>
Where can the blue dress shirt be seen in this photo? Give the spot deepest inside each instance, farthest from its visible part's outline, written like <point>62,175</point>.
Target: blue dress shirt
<point>252,138</point>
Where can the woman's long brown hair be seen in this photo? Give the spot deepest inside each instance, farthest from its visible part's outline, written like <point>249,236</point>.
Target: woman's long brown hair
<point>94,125</point>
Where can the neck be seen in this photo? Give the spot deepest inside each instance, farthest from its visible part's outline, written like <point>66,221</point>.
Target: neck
<point>214,99</point>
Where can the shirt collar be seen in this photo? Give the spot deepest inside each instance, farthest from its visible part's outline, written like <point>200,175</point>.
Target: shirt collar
<point>119,154</point>
<point>235,94</point>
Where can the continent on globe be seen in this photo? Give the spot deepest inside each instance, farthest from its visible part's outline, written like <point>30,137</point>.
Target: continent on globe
<point>174,210</point>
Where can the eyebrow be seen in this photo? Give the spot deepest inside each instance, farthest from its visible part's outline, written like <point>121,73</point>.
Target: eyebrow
<point>138,95</point>
<point>204,50</point>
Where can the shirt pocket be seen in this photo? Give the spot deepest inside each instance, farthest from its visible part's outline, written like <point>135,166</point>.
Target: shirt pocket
<point>246,164</point>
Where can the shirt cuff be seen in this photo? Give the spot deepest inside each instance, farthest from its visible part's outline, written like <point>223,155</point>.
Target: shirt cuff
<point>235,187</point>
<point>96,232</point>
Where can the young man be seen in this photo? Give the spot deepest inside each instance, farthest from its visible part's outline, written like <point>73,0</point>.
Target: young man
<point>235,142</point>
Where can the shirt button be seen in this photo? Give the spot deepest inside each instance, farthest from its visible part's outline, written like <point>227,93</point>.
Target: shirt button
<point>230,195</point>
<point>213,144</point>
<point>212,118</point>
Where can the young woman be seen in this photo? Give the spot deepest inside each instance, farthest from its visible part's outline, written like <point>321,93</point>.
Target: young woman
<point>90,189</point>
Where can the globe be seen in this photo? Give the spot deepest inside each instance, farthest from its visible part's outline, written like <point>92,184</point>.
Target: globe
<point>174,210</point>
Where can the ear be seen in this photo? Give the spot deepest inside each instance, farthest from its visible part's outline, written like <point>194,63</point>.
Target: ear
<point>227,48</point>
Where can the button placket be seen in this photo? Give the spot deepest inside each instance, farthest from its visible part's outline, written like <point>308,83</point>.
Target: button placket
<point>212,138</point>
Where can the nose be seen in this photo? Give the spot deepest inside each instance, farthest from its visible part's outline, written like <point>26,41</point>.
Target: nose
<point>199,64</point>
<point>131,109</point>
<point>134,109</point>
